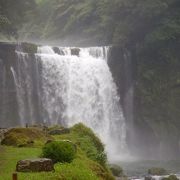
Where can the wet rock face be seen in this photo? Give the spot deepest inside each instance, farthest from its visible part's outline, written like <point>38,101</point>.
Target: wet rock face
<point>2,132</point>
<point>58,51</point>
<point>35,165</point>
<point>75,51</point>
<point>8,101</point>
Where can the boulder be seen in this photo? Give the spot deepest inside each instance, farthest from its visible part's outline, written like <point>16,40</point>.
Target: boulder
<point>171,177</point>
<point>35,165</point>
<point>75,51</point>
<point>116,170</point>
<point>22,137</point>
<point>58,51</point>
<point>59,131</point>
<point>157,171</point>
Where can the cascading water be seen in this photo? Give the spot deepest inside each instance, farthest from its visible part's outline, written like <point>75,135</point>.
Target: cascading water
<point>72,89</point>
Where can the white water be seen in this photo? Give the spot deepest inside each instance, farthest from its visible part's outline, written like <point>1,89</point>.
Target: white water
<point>75,89</point>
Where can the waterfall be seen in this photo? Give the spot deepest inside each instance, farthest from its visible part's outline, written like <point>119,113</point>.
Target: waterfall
<point>3,108</point>
<point>71,89</point>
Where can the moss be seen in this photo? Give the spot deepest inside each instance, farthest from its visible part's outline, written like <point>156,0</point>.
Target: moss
<point>82,130</point>
<point>116,170</point>
<point>22,137</point>
<point>81,168</point>
<point>29,48</point>
<point>101,172</point>
<point>171,177</point>
<point>157,171</point>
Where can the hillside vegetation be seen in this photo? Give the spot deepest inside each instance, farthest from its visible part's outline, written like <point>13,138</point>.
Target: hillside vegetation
<point>86,165</point>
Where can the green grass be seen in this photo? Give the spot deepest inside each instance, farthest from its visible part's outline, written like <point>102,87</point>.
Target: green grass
<point>81,168</point>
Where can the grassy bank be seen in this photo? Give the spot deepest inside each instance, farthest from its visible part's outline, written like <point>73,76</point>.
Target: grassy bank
<point>87,164</point>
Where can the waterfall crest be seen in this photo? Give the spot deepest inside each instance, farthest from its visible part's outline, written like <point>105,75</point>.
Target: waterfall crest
<point>72,89</point>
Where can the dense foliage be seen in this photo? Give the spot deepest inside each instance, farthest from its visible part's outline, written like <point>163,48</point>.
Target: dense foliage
<point>123,22</point>
<point>59,151</point>
<point>13,14</point>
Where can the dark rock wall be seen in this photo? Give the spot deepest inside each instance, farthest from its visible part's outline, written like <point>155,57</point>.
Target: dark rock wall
<point>153,122</point>
<point>27,71</point>
<point>8,104</point>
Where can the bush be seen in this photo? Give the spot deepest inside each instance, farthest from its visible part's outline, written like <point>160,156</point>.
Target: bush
<point>59,151</point>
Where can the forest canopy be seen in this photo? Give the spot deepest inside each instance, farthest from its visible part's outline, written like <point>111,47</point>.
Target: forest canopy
<point>123,22</point>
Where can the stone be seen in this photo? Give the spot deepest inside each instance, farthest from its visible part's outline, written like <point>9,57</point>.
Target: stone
<point>59,131</point>
<point>58,51</point>
<point>2,132</point>
<point>148,177</point>
<point>116,170</point>
<point>171,177</point>
<point>75,51</point>
<point>157,171</point>
<point>35,165</point>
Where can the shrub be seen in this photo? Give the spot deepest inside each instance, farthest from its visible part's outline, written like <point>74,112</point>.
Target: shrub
<point>59,151</point>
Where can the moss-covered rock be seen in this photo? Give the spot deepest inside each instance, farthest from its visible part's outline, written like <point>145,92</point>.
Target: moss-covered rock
<point>29,48</point>
<point>116,170</point>
<point>157,171</point>
<point>171,177</point>
<point>75,51</point>
<point>22,137</point>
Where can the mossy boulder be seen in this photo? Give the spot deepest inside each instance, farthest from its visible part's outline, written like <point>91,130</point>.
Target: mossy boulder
<point>35,165</point>
<point>116,170</point>
<point>29,48</point>
<point>157,171</point>
<point>171,177</point>
<point>22,137</point>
